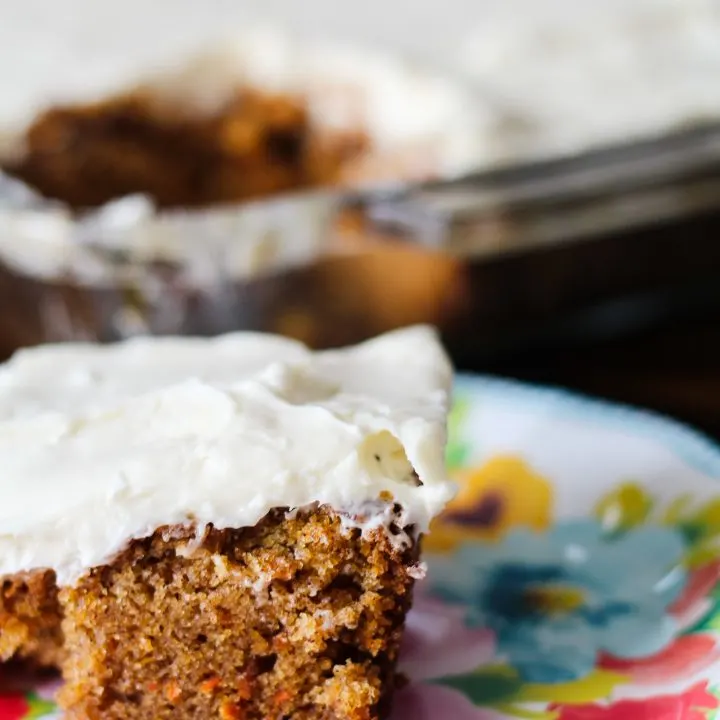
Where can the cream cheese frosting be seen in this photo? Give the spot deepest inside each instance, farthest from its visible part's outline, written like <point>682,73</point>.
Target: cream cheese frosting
<point>116,244</point>
<point>100,445</point>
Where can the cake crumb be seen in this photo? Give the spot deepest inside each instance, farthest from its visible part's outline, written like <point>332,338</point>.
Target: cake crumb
<point>324,644</point>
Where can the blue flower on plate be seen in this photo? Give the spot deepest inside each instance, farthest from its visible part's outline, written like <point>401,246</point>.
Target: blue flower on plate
<point>557,599</point>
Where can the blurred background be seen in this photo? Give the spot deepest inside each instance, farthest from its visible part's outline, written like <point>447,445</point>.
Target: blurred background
<point>539,178</point>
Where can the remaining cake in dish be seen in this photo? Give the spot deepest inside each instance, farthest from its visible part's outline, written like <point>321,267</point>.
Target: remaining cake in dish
<point>228,528</point>
<point>174,139</point>
<point>254,117</point>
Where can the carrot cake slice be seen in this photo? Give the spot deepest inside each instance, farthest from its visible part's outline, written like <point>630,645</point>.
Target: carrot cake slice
<point>229,527</point>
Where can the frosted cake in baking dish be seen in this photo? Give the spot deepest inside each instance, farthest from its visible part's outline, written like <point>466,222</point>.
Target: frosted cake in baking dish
<point>259,115</point>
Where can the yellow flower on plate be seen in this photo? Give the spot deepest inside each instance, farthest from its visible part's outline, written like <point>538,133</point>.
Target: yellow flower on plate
<point>625,507</point>
<point>503,493</point>
<point>499,687</point>
<point>597,685</point>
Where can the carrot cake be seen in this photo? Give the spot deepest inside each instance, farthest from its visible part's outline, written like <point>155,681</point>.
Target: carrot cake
<point>219,527</point>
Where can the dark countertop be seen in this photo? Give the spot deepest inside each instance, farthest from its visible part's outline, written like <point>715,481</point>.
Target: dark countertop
<point>673,368</point>
<point>633,317</point>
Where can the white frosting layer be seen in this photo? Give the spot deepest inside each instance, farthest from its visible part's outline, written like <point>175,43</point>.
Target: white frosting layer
<point>114,245</point>
<point>103,444</point>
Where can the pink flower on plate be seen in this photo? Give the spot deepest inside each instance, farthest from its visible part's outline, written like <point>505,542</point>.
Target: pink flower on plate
<point>693,704</point>
<point>437,644</point>
<point>685,657</point>
<point>435,702</point>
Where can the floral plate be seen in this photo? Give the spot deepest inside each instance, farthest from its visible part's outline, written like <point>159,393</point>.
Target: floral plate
<point>575,577</point>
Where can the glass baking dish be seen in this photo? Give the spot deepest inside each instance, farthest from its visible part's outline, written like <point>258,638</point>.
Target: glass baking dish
<point>498,260</point>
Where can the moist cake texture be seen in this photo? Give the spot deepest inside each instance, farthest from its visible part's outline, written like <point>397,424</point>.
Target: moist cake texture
<point>290,618</point>
<point>228,528</point>
<point>30,619</point>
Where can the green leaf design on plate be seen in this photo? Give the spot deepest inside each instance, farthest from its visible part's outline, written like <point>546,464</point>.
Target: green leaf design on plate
<point>489,686</point>
<point>525,714</point>
<point>625,507</point>
<point>39,708</point>
<point>458,449</point>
